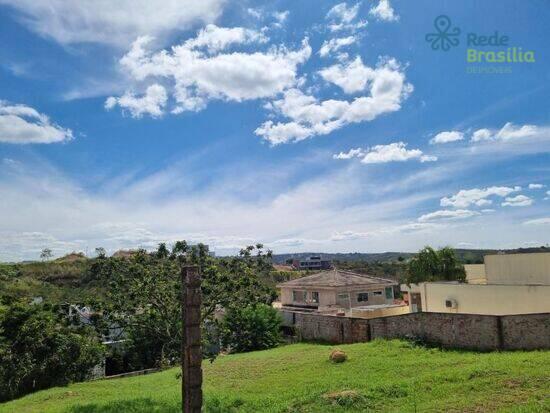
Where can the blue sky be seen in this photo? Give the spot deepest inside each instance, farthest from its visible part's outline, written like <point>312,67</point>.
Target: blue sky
<point>308,126</point>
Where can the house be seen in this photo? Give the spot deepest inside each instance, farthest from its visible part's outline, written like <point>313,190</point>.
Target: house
<point>315,262</point>
<point>336,290</point>
<point>504,284</point>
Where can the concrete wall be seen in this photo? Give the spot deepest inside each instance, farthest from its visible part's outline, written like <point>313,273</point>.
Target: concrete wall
<point>469,331</point>
<point>379,312</point>
<point>475,273</point>
<point>486,299</point>
<point>518,268</point>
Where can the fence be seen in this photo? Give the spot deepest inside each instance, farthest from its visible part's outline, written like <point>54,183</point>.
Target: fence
<point>468,331</point>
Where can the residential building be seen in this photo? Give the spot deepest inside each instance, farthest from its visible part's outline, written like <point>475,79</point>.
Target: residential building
<point>503,285</point>
<point>336,290</point>
<point>315,262</point>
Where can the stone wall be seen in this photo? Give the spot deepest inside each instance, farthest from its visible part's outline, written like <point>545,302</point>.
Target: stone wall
<point>468,331</point>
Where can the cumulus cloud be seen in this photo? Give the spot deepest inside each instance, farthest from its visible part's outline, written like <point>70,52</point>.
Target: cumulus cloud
<point>112,22</point>
<point>200,72</point>
<point>393,152</point>
<point>384,11</point>
<point>536,186</point>
<point>518,201</point>
<point>333,45</point>
<point>477,196</point>
<point>447,136</point>
<point>21,124</point>
<point>385,88</point>
<point>151,103</point>
<point>344,17</point>
<point>509,132</point>
<point>448,214</point>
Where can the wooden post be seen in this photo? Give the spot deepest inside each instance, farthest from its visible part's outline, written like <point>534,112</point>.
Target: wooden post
<point>191,354</point>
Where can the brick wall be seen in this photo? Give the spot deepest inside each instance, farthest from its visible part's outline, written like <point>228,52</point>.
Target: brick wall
<point>469,331</point>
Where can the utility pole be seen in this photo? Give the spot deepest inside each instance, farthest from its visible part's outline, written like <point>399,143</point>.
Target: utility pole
<point>191,353</point>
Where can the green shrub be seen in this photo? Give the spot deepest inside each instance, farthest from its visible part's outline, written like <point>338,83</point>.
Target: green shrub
<point>251,328</point>
<point>40,350</point>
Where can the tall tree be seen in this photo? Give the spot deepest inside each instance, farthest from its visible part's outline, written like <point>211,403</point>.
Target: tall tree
<point>432,265</point>
<point>46,254</point>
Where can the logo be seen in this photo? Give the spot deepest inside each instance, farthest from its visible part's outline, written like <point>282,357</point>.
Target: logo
<point>446,36</point>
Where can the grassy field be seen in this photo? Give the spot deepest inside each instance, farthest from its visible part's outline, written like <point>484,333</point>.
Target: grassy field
<point>392,376</point>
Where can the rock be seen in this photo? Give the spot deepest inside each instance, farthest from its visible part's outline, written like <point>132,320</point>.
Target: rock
<point>338,356</point>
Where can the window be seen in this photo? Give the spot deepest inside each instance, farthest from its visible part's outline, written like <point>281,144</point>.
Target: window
<point>375,293</point>
<point>389,293</point>
<point>315,297</point>
<point>298,296</point>
<point>362,297</point>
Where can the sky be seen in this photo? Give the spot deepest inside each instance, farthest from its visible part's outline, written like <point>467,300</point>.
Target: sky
<point>303,125</point>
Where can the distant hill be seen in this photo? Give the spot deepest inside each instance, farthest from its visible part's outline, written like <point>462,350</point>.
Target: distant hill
<point>467,256</point>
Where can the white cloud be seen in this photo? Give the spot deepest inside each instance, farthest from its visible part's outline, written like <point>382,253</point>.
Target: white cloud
<point>393,152</point>
<point>352,153</point>
<point>342,17</point>
<point>151,103</point>
<point>536,186</point>
<point>476,196</point>
<point>215,38</point>
<point>200,75</point>
<point>509,132</point>
<point>333,45</point>
<point>352,76</point>
<point>21,124</point>
<point>280,18</point>
<point>448,214</point>
<point>447,136</point>
<point>538,221</point>
<point>386,89</point>
<point>384,11</point>
<point>518,201</point>
<point>112,22</point>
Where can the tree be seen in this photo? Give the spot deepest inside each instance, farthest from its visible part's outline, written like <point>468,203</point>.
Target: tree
<point>40,349</point>
<point>46,254</point>
<point>145,290</point>
<point>100,252</point>
<point>432,265</point>
<point>162,251</point>
<point>255,327</point>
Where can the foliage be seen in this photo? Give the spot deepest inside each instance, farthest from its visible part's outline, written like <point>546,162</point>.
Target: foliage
<point>391,376</point>
<point>145,294</point>
<point>46,254</point>
<point>432,265</point>
<point>39,349</point>
<point>254,327</point>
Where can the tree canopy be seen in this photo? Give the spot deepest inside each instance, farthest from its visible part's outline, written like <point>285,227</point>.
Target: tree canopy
<point>432,265</point>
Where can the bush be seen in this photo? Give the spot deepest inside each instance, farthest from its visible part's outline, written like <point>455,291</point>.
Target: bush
<point>251,328</point>
<point>38,349</point>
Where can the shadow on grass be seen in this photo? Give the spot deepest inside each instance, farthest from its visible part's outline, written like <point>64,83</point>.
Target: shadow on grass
<point>127,406</point>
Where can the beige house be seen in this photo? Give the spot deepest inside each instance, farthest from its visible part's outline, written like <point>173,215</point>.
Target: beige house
<point>504,284</point>
<point>336,290</point>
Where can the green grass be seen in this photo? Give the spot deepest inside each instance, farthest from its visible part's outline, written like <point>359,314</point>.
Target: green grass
<point>392,376</point>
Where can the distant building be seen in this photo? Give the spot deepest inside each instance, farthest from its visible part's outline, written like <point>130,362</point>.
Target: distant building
<point>336,290</point>
<point>504,284</point>
<point>315,262</point>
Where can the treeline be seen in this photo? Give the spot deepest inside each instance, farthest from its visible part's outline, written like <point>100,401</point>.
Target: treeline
<point>136,322</point>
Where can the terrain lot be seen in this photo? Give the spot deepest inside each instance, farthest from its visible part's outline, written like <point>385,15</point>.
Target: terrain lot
<point>385,376</point>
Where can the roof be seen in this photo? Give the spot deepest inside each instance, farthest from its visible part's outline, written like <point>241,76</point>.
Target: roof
<point>336,278</point>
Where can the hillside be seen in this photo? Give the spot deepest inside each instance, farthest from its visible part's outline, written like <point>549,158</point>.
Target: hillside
<point>467,256</point>
<point>379,376</point>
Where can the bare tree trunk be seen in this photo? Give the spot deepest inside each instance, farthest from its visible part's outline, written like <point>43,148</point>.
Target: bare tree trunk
<point>191,340</point>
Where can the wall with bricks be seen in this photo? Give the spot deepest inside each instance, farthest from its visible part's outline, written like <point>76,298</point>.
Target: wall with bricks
<point>468,331</point>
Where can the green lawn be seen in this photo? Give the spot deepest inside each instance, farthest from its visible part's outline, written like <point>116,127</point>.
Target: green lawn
<point>392,376</point>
